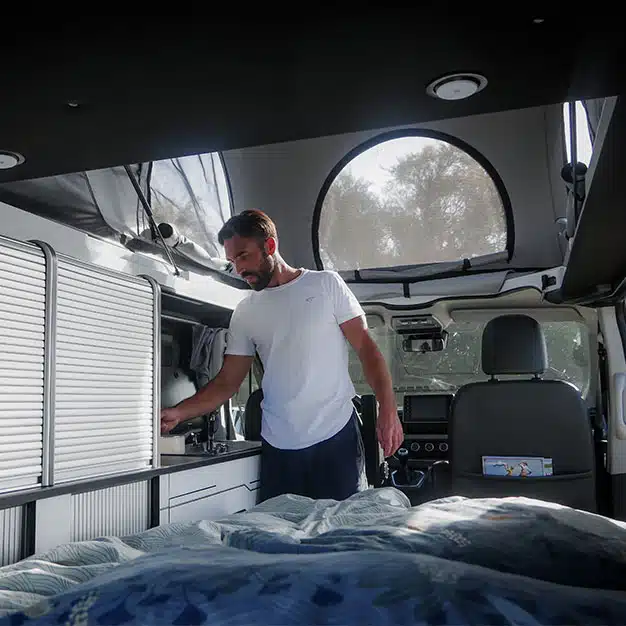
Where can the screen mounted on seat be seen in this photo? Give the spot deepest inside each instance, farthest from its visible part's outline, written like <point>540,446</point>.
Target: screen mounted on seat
<point>427,408</point>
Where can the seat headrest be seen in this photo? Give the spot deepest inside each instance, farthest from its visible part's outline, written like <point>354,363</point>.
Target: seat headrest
<point>513,344</point>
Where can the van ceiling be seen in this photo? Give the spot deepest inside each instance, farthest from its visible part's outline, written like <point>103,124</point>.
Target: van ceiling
<point>523,146</point>
<point>95,92</point>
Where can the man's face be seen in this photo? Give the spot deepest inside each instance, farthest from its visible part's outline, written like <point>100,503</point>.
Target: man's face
<point>252,259</point>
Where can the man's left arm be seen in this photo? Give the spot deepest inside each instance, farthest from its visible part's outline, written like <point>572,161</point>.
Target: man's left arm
<point>389,428</point>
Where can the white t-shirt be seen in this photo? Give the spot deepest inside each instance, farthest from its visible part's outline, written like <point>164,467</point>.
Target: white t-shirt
<point>307,390</point>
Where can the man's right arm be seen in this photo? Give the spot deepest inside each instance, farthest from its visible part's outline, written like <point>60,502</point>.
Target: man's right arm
<point>223,387</point>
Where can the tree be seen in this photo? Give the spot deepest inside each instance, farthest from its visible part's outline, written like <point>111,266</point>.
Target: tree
<point>350,224</point>
<point>444,206</point>
<point>438,205</point>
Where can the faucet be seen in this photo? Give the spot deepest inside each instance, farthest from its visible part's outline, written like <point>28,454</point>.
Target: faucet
<point>211,446</point>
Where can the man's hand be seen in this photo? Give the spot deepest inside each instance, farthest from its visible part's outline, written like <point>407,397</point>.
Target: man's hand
<point>211,396</point>
<point>389,431</point>
<point>169,420</point>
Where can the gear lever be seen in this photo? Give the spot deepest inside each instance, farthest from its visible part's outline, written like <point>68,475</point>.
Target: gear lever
<point>406,477</point>
<point>402,475</point>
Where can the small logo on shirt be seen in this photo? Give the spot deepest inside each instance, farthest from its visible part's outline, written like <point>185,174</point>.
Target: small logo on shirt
<point>310,299</point>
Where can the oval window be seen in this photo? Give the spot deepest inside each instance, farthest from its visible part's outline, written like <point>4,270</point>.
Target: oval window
<point>409,200</point>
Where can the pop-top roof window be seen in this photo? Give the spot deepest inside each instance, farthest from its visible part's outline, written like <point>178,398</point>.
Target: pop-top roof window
<point>191,194</point>
<point>410,200</point>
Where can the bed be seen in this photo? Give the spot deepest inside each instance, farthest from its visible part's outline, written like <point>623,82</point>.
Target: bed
<point>372,559</point>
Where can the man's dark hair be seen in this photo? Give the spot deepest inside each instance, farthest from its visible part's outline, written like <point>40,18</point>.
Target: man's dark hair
<point>251,223</point>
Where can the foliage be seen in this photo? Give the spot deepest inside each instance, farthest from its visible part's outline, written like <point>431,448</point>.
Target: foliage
<point>439,204</point>
<point>459,363</point>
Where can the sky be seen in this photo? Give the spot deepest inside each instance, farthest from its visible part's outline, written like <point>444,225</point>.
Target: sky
<point>372,163</point>
<point>583,141</point>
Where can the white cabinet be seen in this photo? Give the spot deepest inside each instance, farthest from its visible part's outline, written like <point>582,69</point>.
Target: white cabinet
<point>210,492</point>
<point>110,512</point>
<point>215,505</point>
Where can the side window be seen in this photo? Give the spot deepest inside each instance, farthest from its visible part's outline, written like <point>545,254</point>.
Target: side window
<point>584,146</point>
<point>238,401</point>
<point>191,194</point>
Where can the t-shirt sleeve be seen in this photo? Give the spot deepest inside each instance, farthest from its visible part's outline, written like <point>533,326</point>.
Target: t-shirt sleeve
<point>238,340</point>
<point>345,304</point>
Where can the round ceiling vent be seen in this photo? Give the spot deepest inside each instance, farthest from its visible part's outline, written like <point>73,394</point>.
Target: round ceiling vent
<point>456,86</point>
<point>10,159</point>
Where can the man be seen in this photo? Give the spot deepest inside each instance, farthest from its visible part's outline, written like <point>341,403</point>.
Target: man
<point>298,321</point>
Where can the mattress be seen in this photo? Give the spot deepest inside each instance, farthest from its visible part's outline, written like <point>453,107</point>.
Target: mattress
<point>370,559</point>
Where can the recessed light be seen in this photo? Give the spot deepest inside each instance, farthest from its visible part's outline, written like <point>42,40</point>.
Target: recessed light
<point>456,86</point>
<point>10,159</point>
<point>538,20</point>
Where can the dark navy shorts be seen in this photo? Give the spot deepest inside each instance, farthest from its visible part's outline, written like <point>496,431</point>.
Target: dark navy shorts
<point>330,469</point>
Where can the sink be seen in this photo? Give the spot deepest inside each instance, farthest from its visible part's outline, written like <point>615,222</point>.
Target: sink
<point>231,446</point>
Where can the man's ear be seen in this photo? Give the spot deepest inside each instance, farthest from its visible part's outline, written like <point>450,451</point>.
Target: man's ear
<point>270,246</point>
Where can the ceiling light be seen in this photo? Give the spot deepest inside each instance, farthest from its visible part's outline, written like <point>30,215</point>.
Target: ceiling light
<point>10,159</point>
<point>456,86</point>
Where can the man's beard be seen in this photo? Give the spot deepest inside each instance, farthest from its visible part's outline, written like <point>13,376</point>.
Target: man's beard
<point>264,275</point>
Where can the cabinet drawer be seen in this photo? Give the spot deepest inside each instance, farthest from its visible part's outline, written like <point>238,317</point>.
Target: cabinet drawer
<point>214,506</point>
<point>204,481</point>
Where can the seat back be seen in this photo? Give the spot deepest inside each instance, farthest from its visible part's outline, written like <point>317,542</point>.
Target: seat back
<point>521,418</point>
<point>371,448</point>
<point>252,416</point>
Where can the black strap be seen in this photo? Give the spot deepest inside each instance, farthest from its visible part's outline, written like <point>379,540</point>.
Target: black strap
<point>601,415</point>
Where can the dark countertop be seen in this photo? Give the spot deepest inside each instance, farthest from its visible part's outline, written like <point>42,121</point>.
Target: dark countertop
<point>194,458</point>
<point>169,463</point>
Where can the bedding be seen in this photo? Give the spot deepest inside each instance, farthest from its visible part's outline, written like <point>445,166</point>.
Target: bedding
<point>370,559</point>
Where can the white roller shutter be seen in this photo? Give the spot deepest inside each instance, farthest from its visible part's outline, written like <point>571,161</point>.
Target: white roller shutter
<point>11,524</point>
<point>120,510</point>
<point>105,372</point>
<point>22,338</point>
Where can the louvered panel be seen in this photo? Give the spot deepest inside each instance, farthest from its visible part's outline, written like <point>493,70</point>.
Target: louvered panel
<point>99,434</point>
<point>124,329</point>
<point>91,308</point>
<point>101,365</point>
<point>78,375</point>
<point>77,272</point>
<point>85,337</point>
<point>22,344</point>
<point>125,353</point>
<point>105,355</point>
<point>77,415</point>
<point>80,386</point>
<point>11,282</point>
<point>11,522</point>
<point>126,301</point>
<point>116,511</point>
<point>14,302</point>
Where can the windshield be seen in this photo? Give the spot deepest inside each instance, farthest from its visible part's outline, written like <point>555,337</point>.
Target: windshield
<point>459,363</point>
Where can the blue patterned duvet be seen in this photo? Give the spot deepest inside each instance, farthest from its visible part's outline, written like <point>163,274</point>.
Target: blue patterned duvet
<point>369,560</point>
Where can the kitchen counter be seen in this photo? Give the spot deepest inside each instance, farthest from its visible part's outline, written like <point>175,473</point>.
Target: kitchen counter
<point>196,458</point>
<point>169,463</point>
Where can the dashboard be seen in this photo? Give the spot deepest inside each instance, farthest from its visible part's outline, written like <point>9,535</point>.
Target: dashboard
<point>425,425</point>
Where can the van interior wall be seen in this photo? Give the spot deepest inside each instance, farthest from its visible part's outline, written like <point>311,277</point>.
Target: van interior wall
<point>616,359</point>
<point>177,379</point>
<point>524,146</point>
